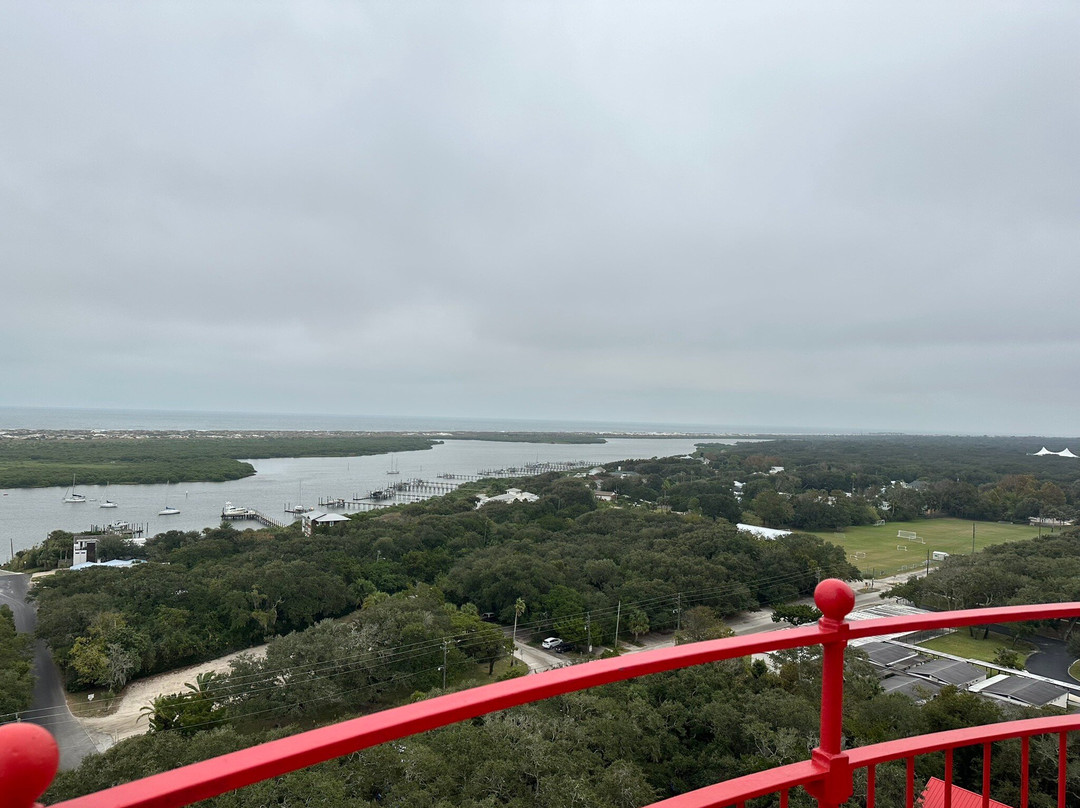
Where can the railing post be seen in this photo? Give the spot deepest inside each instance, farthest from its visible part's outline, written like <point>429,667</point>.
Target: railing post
<point>28,761</point>
<point>835,600</point>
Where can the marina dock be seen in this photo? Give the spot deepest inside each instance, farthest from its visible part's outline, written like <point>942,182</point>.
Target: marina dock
<point>231,513</point>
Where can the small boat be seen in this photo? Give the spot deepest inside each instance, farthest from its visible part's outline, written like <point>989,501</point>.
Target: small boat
<point>393,466</point>
<point>72,496</point>
<point>107,503</point>
<point>167,511</point>
<point>117,526</point>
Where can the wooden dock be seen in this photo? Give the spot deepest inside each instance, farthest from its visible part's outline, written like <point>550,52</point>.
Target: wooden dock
<point>417,490</point>
<point>250,514</point>
<point>127,530</point>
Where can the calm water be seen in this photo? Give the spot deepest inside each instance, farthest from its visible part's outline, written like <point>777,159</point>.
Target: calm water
<point>27,516</point>
<point>74,418</point>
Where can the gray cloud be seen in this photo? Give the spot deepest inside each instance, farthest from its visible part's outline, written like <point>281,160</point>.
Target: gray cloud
<point>831,215</point>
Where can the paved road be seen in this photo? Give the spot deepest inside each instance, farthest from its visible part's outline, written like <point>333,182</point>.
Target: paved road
<point>744,623</point>
<point>49,708</point>
<point>761,620</point>
<point>1052,660</point>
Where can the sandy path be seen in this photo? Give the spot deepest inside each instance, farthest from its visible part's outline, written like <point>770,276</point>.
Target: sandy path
<point>125,720</point>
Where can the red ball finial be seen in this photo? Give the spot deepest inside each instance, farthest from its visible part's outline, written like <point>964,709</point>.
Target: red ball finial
<point>28,761</point>
<point>835,598</point>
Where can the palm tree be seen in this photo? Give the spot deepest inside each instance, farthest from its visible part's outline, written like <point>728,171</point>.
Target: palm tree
<point>519,609</point>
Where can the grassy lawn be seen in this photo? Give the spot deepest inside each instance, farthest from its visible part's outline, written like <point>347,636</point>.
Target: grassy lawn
<point>874,548</point>
<point>961,644</point>
<point>1074,670</point>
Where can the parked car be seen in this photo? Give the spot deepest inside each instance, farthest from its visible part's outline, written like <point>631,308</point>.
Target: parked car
<point>551,642</point>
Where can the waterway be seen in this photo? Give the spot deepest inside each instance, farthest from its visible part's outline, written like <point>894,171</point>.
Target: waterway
<point>28,515</point>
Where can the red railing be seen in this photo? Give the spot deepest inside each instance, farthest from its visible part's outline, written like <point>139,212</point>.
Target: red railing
<point>28,754</point>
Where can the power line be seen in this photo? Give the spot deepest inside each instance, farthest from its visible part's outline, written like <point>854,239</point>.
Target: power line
<point>265,679</point>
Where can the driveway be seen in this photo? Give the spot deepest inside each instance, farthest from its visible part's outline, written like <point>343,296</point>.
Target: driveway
<point>1052,660</point>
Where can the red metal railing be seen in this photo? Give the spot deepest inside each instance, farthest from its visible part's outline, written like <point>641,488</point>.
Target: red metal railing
<point>28,754</point>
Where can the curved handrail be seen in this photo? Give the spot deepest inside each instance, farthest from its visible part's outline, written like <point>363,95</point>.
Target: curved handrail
<point>826,771</point>
<point>805,772</point>
<point>965,736</point>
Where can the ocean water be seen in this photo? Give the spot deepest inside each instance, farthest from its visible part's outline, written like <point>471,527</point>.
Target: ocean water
<point>60,418</point>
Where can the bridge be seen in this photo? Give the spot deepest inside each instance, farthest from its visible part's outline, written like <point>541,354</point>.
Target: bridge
<point>29,756</point>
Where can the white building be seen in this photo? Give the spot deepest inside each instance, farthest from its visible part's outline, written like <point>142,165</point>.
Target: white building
<point>511,495</point>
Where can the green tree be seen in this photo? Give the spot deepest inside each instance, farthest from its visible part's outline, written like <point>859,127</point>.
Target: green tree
<point>775,510</point>
<point>637,622</point>
<point>699,624</point>
<point>795,614</point>
<point>16,681</point>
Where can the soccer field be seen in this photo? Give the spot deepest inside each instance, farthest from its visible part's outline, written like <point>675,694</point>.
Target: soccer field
<point>877,549</point>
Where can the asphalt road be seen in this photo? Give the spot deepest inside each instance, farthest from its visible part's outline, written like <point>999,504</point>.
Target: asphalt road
<point>1052,660</point>
<point>49,708</point>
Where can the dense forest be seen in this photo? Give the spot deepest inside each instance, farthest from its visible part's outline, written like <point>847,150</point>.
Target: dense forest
<point>96,459</point>
<point>396,605</point>
<point>828,483</point>
<point>619,746</point>
<point>571,561</point>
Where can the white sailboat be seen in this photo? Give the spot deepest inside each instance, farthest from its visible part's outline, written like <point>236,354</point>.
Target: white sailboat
<point>107,503</point>
<point>299,507</point>
<point>393,466</point>
<point>167,511</point>
<point>72,496</point>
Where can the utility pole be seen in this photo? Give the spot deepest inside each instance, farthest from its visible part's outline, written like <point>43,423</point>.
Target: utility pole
<point>618,615</point>
<point>678,611</point>
<point>588,629</point>
<point>927,560</point>
<point>445,649</point>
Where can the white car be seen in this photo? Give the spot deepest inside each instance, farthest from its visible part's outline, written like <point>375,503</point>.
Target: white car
<point>551,642</point>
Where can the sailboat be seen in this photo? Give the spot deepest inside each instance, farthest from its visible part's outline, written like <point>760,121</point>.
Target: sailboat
<point>72,496</point>
<point>107,503</point>
<point>393,466</point>
<point>299,507</point>
<point>167,511</point>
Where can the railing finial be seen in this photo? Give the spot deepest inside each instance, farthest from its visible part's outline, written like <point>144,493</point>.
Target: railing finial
<point>29,758</point>
<point>835,599</point>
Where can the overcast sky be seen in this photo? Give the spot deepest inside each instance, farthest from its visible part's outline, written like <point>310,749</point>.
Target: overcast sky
<point>855,215</point>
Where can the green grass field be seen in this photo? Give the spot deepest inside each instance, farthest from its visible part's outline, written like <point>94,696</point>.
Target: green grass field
<point>874,548</point>
<point>962,644</point>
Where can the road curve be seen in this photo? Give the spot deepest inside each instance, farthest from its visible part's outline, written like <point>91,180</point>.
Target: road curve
<point>49,708</point>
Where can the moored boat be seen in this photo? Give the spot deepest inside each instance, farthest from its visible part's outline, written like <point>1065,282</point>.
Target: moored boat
<point>72,495</point>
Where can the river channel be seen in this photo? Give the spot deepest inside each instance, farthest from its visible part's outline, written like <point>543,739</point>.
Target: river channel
<point>28,515</point>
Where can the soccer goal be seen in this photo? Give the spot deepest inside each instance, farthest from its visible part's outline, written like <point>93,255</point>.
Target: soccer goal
<point>859,554</point>
<point>910,535</point>
<point>902,547</point>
